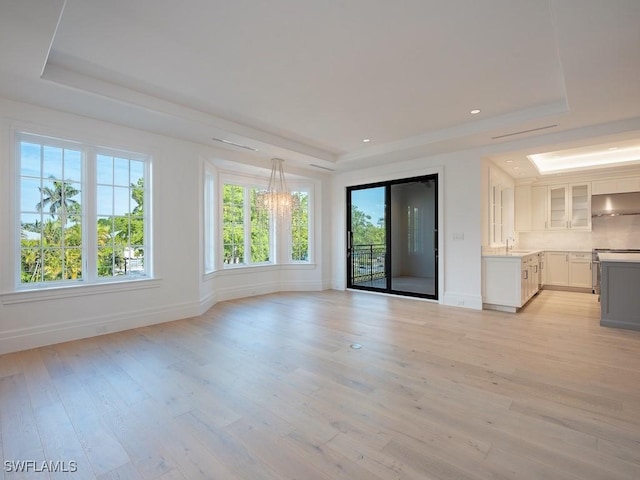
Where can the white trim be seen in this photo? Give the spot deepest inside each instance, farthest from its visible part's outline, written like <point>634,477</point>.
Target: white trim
<point>89,154</point>
<point>463,300</point>
<point>68,291</point>
<point>32,337</point>
<point>209,220</point>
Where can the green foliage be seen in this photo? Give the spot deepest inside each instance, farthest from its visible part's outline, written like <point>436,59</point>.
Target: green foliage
<point>300,228</point>
<point>365,232</point>
<point>60,200</point>
<point>260,242</point>
<point>233,224</point>
<point>53,251</point>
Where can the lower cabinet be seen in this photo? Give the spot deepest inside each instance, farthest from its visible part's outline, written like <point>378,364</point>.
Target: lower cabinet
<point>580,274</point>
<point>557,268</point>
<point>568,269</point>
<point>508,282</point>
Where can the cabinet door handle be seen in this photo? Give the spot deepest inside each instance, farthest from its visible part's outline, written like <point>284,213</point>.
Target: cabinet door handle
<point>526,274</point>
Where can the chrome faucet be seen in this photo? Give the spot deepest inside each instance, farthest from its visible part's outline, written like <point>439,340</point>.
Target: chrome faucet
<point>507,243</point>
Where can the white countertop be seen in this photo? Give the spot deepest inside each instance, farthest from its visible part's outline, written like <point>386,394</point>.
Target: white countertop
<point>516,254</point>
<point>619,257</point>
<point>500,252</point>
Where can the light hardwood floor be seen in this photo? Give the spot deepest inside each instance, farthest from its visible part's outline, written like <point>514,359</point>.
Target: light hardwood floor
<point>269,388</point>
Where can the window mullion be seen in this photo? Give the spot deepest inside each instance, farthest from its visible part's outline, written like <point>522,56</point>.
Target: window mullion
<point>247,224</point>
<point>89,229</point>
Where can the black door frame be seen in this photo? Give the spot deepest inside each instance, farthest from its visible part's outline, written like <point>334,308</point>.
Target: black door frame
<point>388,220</point>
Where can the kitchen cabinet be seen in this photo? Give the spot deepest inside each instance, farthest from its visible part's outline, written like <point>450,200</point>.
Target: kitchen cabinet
<point>557,268</point>
<point>501,207</point>
<point>509,281</point>
<point>615,185</point>
<point>531,278</point>
<point>620,301</point>
<point>569,207</point>
<point>523,207</point>
<point>539,208</point>
<point>568,269</point>
<point>580,270</point>
<point>532,208</point>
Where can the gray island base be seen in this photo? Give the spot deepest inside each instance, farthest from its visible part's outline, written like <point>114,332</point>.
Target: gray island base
<point>620,290</point>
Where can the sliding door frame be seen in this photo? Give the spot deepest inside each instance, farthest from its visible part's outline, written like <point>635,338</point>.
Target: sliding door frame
<point>434,177</point>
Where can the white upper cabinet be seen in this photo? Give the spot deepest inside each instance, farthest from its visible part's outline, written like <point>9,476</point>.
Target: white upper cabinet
<point>501,207</point>
<point>539,208</point>
<point>569,207</point>
<point>616,185</point>
<point>531,208</point>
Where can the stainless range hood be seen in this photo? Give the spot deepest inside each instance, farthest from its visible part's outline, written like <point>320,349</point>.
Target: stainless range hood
<point>615,204</point>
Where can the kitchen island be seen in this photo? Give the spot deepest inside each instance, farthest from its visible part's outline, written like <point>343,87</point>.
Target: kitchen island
<point>620,290</point>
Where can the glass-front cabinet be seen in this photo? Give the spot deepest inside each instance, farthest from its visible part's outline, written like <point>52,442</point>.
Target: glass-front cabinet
<point>570,207</point>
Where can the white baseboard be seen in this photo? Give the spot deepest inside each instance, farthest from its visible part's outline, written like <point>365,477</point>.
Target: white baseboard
<point>304,286</point>
<point>24,339</point>
<point>207,302</point>
<point>462,300</point>
<point>231,293</point>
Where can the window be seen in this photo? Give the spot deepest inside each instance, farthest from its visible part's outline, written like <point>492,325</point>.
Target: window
<point>245,227</point>
<point>300,228</point>
<point>120,221</point>
<point>209,221</point>
<point>81,213</point>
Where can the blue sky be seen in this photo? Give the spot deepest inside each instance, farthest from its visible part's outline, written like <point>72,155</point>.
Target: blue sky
<point>370,201</point>
<point>117,173</point>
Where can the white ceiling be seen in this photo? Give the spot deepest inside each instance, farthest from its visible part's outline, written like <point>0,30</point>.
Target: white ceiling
<point>309,80</point>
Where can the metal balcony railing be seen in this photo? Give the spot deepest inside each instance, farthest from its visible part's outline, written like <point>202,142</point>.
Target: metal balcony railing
<point>368,263</point>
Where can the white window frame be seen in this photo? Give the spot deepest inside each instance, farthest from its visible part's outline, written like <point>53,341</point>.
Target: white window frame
<point>247,183</point>
<point>308,189</point>
<point>280,235</point>
<point>209,221</point>
<point>88,201</point>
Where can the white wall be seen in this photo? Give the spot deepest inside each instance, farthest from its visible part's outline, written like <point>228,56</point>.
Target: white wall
<point>459,216</point>
<point>180,289</point>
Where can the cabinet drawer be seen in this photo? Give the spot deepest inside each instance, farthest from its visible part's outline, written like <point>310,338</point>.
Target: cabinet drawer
<point>580,257</point>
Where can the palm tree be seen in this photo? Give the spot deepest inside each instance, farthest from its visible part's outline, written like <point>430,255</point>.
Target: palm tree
<point>59,199</point>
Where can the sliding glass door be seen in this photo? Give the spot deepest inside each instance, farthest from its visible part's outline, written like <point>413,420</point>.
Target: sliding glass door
<point>392,241</point>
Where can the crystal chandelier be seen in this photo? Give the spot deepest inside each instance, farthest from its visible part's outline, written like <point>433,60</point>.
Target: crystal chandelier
<point>277,199</point>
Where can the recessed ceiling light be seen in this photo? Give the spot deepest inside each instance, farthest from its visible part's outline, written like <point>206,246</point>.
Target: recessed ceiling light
<point>516,168</point>
<point>475,111</point>
<point>509,161</point>
<point>366,140</point>
<point>612,148</point>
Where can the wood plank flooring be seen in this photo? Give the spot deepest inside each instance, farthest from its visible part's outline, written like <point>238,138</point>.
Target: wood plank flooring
<point>269,388</point>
